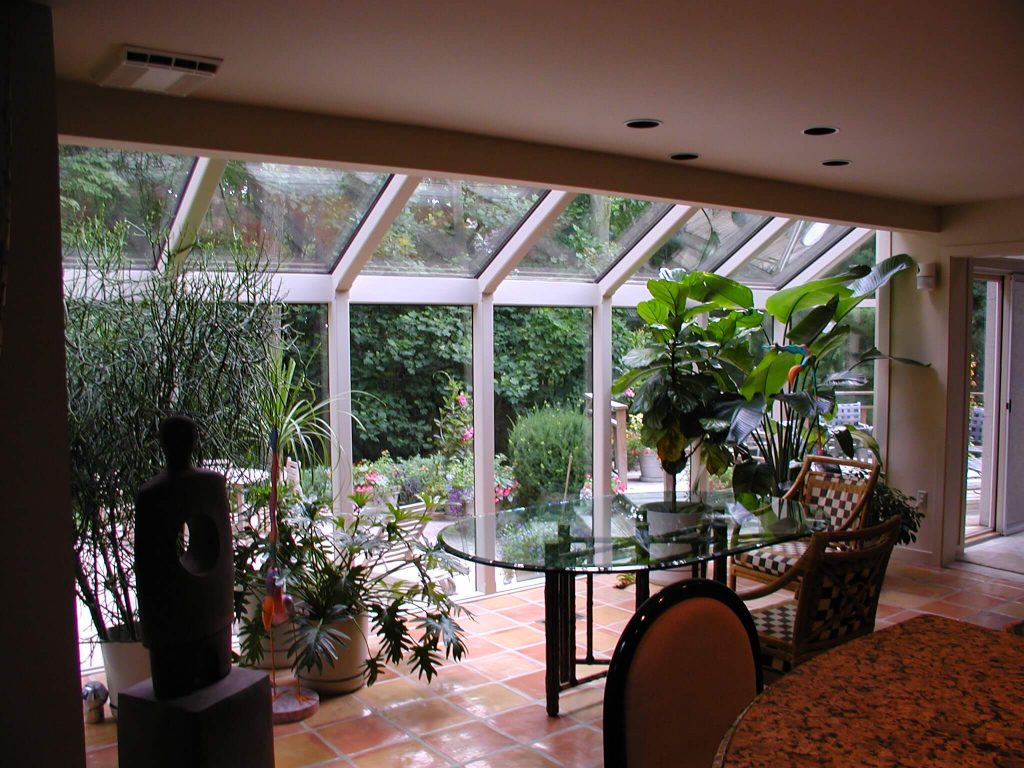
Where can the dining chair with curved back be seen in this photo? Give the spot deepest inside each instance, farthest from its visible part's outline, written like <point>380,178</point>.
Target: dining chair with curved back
<point>836,491</point>
<point>841,576</point>
<point>684,668</point>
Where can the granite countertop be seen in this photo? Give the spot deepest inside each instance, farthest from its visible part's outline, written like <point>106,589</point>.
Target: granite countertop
<point>928,692</point>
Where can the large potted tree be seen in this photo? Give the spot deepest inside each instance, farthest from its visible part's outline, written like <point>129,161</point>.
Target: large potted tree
<point>140,346</point>
<point>694,358</point>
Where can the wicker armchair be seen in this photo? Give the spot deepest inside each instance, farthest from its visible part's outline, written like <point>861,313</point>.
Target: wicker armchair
<point>835,490</point>
<point>841,577</point>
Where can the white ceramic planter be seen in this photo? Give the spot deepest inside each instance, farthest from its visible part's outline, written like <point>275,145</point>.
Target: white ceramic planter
<point>126,663</point>
<point>346,673</point>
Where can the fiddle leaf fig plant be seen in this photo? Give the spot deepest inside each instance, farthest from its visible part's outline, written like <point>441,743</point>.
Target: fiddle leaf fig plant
<point>698,330</point>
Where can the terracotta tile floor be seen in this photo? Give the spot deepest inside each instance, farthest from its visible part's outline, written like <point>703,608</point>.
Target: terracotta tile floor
<point>489,709</point>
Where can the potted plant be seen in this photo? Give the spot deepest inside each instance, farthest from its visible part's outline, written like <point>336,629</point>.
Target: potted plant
<point>693,358</point>
<point>505,483</point>
<point>379,479</point>
<point>128,367</point>
<point>787,376</point>
<point>370,574</point>
<point>287,409</point>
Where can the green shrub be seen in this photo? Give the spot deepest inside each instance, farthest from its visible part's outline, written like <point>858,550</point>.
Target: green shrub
<point>541,444</point>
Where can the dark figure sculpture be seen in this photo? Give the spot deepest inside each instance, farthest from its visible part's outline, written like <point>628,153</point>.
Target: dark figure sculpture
<point>185,570</point>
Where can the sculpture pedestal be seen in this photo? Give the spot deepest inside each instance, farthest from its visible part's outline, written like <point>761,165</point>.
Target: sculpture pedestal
<point>227,723</point>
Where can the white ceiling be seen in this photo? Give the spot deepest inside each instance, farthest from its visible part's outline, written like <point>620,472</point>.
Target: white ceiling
<point>928,94</point>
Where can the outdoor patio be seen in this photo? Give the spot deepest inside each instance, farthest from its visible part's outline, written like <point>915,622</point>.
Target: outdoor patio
<point>489,709</point>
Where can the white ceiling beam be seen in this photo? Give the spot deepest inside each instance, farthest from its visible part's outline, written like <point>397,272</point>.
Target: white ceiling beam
<point>832,257</point>
<point>750,248</point>
<point>630,294</point>
<point>546,293</point>
<point>118,117</point>
<point>303,289</point>
<point>195,202</point>
<point>394,289</point>
<point>375,225</point>
<point>644,248</point>
<point>539,221</point>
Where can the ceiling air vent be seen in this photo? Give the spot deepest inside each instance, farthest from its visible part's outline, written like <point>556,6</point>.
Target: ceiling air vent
<point>147,70</point>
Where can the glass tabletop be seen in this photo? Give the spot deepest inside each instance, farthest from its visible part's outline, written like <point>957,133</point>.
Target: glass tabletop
<point>625,532</point>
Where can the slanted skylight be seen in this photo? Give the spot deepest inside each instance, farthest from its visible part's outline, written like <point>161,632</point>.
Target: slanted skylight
<point>704,242</point>
<point>589,236</point>
<point>796,245</point>
<point>134,195</point>
<point>864,256</point>
<point>451,227</point>
<point>297,217</point>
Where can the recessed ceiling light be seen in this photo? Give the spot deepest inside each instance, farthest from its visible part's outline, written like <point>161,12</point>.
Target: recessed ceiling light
<point>684,156</point>
<point>643,122</point>
<point>835,163</point>
<point>821,130</point>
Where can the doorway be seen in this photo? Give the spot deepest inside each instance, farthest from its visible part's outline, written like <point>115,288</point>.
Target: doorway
<point>993,532</point>
<point>983,395</point>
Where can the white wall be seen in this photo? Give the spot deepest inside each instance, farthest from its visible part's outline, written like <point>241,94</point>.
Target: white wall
<point>926,428</point>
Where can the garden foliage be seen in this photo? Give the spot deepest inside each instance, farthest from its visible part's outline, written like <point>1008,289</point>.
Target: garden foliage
<point>547,445</point>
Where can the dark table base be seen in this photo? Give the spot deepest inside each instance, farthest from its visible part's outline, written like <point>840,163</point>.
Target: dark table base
<point>560,627</point>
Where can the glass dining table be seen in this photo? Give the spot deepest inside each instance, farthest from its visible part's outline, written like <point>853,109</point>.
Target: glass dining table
<point>625,533</point>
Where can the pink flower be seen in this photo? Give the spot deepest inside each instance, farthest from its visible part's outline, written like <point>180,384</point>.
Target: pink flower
<point>373,477</point>
<point>461,400</point>
<point>364,489</point>
<point>629,392</point>
<point>467,435</point>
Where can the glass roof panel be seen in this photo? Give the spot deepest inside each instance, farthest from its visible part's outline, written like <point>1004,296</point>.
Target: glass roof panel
<point>589,236</point>
<point>133,194</point>
<point>451,227</point>
<point>863,256</point>
<point>797,245</point>
<point>298,217</point>
<point>704,242</point>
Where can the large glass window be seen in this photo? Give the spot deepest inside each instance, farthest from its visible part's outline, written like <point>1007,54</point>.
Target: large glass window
<point>412,400</point>
<point>297,217</point>
<point>856,402</point>
<point>863,256</point>
<point>111,195</point>
<point>704,242</point>
<point>451,227</point>
<point>542,372</point>
<point>797,245</point>
<point>589,236</point>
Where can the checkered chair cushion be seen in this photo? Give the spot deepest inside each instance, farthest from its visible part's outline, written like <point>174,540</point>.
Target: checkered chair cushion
<point>833,497</point>
<point>775,629</point>
<point>773,561</point>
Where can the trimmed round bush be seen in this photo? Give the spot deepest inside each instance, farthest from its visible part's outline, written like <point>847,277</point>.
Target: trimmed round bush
<point>540,445</point>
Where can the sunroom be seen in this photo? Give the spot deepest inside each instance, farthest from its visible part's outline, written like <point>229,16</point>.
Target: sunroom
<point>510,182</point>
<point>413,290</point>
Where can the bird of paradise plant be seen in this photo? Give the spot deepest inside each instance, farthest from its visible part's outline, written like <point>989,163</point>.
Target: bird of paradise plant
<point>785,396</point>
